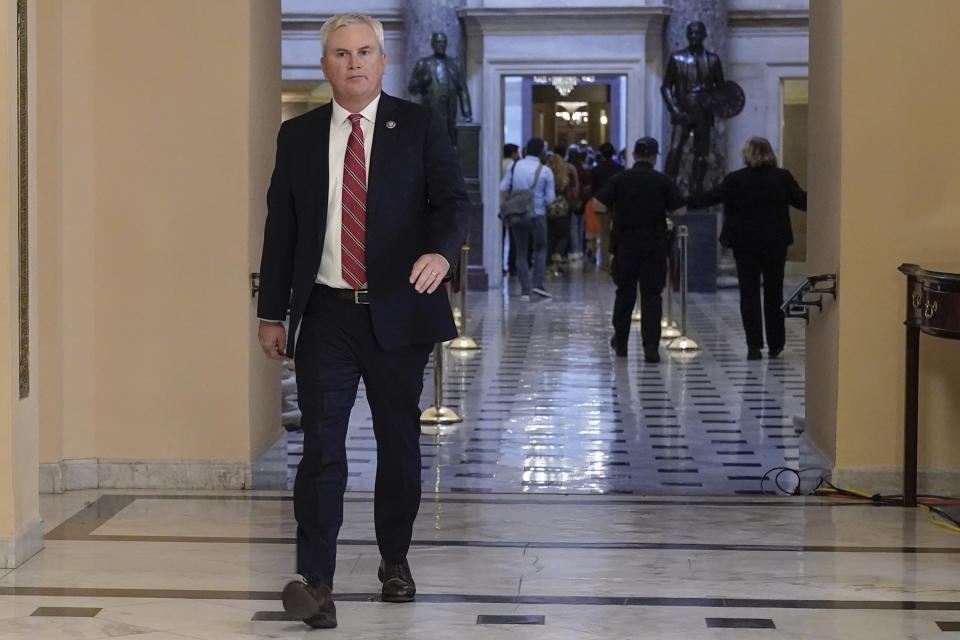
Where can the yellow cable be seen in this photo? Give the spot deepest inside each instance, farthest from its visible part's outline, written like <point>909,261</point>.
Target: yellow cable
<point>939,523</point>
<point>925,508</point>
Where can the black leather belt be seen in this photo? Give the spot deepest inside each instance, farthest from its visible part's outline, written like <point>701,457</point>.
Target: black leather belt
<point>356,296</point>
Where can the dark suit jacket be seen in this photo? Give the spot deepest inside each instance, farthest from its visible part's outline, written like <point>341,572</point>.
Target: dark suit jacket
<point>756,206</point>
<point>416,204</point>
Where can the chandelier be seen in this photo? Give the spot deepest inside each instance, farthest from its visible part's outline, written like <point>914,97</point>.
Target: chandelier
<point>563,84</point>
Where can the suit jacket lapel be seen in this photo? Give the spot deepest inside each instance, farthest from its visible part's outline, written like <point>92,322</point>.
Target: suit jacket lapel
<point>320,168</point>
<point>379,154</point>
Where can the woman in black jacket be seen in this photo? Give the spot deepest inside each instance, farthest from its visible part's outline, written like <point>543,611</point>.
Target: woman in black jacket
<point>756,225</point>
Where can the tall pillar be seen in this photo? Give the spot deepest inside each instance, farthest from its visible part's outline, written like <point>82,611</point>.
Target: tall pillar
<point>21,530</point>
<point>873,205</point>
<point>421,19</point>
<point>154,155</point>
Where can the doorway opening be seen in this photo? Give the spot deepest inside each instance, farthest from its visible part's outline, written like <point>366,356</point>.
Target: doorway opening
<point>584,110</point>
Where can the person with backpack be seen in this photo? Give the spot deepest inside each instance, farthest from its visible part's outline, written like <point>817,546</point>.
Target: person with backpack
<point>530,183</point>
<point>558,211</point>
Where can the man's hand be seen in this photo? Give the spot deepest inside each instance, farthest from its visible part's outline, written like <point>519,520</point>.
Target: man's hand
<point>428,272</point>
<point>679,117</point>
<point>273,339</point>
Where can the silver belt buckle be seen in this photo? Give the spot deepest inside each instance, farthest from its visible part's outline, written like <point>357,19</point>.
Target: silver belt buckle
<point>360,296</point>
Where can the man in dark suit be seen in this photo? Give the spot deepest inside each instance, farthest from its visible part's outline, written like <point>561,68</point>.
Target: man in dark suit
<point>358,256</point>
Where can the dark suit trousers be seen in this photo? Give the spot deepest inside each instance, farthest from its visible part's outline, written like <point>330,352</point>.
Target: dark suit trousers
<point>753,265</point>
<point>336,347</point>
<point>643,264</point>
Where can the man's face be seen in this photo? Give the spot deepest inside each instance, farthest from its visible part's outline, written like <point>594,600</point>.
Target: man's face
<point>696,34</point>
<point>439,42</point>
<point>354,63</point>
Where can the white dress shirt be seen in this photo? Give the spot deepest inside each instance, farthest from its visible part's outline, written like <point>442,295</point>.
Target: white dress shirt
<point>330,272</point>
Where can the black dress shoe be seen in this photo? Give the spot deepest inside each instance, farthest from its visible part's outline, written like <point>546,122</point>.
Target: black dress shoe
<point>651,355</point>
<point>312,603</point>
<point>398,585</point>
<point>754,354</point>
<point>621,351</point>
<point>775,353</point>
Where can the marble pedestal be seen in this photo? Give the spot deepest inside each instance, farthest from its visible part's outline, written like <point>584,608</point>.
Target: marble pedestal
<point>468,154</point>
<point>702,249</point>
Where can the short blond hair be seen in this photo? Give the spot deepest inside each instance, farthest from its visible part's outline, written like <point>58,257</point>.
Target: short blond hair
<point>342,20</point>
<point>757,152</point>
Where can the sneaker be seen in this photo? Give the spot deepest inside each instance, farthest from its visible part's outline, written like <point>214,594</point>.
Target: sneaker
<point>543,293</point>
<point>525,297</point>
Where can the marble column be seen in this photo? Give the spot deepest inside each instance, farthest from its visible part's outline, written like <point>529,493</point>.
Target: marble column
<point>21,529</point>
<point>421,19</point>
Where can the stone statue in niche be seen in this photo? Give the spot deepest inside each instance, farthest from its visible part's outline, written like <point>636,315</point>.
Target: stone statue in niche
<point>695,94</point>
<point>441,84</point>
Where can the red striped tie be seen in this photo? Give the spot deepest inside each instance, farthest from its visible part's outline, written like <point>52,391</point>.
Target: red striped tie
<point>353,232</point>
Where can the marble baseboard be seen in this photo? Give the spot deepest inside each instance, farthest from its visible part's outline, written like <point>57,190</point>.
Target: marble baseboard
<point>51,478</point>
<point>889,480</point>
<point>69,475</point>
<point>14,552</point>
<point>173,474</point>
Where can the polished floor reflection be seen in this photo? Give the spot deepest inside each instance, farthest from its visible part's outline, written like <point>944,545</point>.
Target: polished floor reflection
<point>582,497</point>
<point>548,407</point>
<point>204,565</point>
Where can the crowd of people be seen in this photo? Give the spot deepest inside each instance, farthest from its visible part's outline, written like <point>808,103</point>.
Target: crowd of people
<point>588,204</point>
<point>575,233</point>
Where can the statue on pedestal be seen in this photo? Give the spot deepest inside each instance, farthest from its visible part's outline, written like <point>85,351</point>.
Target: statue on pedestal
<point>441,84</point>
<point>695,92</point>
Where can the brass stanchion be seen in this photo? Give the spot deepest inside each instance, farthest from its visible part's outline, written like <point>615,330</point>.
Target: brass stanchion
<point>437,414</point>
<point>463,342</point>
<point>683,343</point>
<point>668,328</point>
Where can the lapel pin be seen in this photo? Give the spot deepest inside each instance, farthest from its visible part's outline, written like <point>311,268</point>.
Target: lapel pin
<point>391,124</point>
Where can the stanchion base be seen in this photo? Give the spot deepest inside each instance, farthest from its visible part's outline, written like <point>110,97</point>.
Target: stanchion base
<point>438,429</point>
<point>463,343</point>
<point>669,332</point>
<point>439,415</point>
<point>635,316</point>
<point>682,343</point>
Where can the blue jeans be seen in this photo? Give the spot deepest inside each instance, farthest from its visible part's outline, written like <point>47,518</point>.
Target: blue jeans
<point>576,233</point>
<point>533,231</point>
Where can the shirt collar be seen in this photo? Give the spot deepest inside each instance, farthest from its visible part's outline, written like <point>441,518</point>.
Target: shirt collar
<point>341,116</point>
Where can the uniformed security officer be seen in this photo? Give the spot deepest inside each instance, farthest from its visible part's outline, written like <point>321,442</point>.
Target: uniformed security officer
<point>640,198</point>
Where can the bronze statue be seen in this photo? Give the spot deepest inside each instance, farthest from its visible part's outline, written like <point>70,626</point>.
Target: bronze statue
<point>441,83</point>
<point>695,92</point>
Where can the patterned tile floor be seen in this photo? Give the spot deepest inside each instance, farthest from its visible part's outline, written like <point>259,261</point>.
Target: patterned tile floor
<point>548,408</point>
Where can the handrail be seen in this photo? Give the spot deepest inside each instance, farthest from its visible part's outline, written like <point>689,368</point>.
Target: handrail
<point>797,304</point>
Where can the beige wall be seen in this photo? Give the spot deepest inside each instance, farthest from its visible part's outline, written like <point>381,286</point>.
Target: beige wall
<point>886,149</point>
<point>19,515</point>
<point>158,121</point>
<point>823,219</point>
